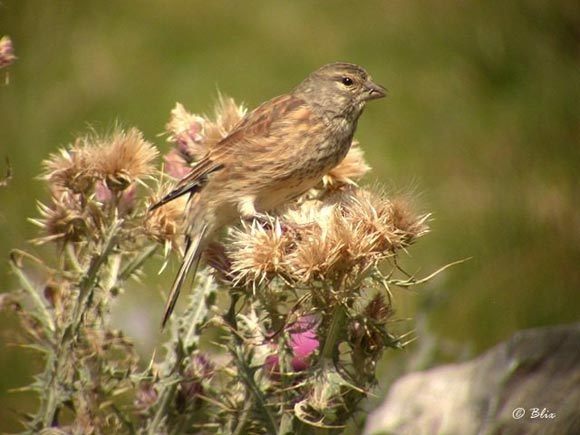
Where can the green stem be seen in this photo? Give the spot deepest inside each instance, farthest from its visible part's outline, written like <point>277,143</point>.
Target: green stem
<point>334,331</point>
<point>56,371</point>
<point>184,340</point>
<point>48,323</point>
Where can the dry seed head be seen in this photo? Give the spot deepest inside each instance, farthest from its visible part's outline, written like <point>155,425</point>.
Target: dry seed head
<point>227,115</point>
<point>195,135</point>
<point>67,221</point>
<point>408,224</point>
<point>365,220</point>
<point>339,236</point>
<point>72,169</point>
<point>387,225</point>
<point>349,229</point>
<point>256,252</point>
<point>317,251</point>
<point>124,157</point>
<point>164,224</point>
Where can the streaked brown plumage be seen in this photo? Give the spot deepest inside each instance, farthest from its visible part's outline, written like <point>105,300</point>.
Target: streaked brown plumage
<point>276,153</point>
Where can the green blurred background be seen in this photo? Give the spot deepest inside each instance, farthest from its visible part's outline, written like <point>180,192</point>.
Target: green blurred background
<point>482,124</point>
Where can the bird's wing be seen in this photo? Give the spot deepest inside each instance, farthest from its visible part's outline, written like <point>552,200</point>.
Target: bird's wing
<point>252,129</point>
<point>256,125</point>
<point>192,182</point>
<point>190,262</point>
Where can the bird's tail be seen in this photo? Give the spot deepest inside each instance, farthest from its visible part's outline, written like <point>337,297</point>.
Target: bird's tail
<point>190,262</point>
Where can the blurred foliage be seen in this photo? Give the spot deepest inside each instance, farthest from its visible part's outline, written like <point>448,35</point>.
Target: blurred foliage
<point>483,123</point>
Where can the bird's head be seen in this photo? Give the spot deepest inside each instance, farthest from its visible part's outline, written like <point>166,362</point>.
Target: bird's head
<point>339,89</point>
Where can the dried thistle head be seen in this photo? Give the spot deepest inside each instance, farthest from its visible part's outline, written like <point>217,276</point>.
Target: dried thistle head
<point>317,252</point>
<point>186,132</point>
<point>382,225</point>
<point>227,114</point>
<point>257,253</point>
<point>123,158</point>
<point>118,160</point>
<point>164,224</point>
<point>349,230</point>
<point>194,135</point>
<point>6,52</point>
<point>368,335</point>
<point>408,225</point>
<point>67,219</point>
<point>72,169</point>
<point>124,201</point>
<point>341,235</point>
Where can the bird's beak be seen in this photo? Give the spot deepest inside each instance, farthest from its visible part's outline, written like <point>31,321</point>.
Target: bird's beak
<point>375,90</point>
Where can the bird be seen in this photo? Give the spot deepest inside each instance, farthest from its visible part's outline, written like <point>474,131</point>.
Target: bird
<point>275,153</point>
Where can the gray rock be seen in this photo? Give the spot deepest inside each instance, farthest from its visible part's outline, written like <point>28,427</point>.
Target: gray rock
<point>529,384</point>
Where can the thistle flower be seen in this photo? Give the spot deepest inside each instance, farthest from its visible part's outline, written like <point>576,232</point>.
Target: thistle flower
<point>124,202</point>
<point>227,114</point>
<point>385,225</point>
<point>145,397</point>
<point>257,253</point>
<point>175,164</point>
<point>302,342</point>
<point>72,169</point>
<point>6,52</point>
<point>123,158</point>
<point>303,345</point>
<point>342,234</point>
<point>199,371</point>
<point>164,224</point>
<point>67,220</point>
<point>317,250</point>
<point>186,132</point>
<point>367,330</point>
<point>194,135</point>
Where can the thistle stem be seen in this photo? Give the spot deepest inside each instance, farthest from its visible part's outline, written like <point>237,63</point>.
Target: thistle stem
<point>329,349</point>
<point>56,371</point>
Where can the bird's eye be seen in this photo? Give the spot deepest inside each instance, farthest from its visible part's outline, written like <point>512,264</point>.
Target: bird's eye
<point>346,81</point>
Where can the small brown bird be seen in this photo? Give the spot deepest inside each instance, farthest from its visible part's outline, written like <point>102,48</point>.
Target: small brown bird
<point>277,152</point>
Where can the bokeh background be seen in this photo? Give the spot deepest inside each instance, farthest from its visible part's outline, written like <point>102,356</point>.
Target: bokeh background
<point>482,124</point>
